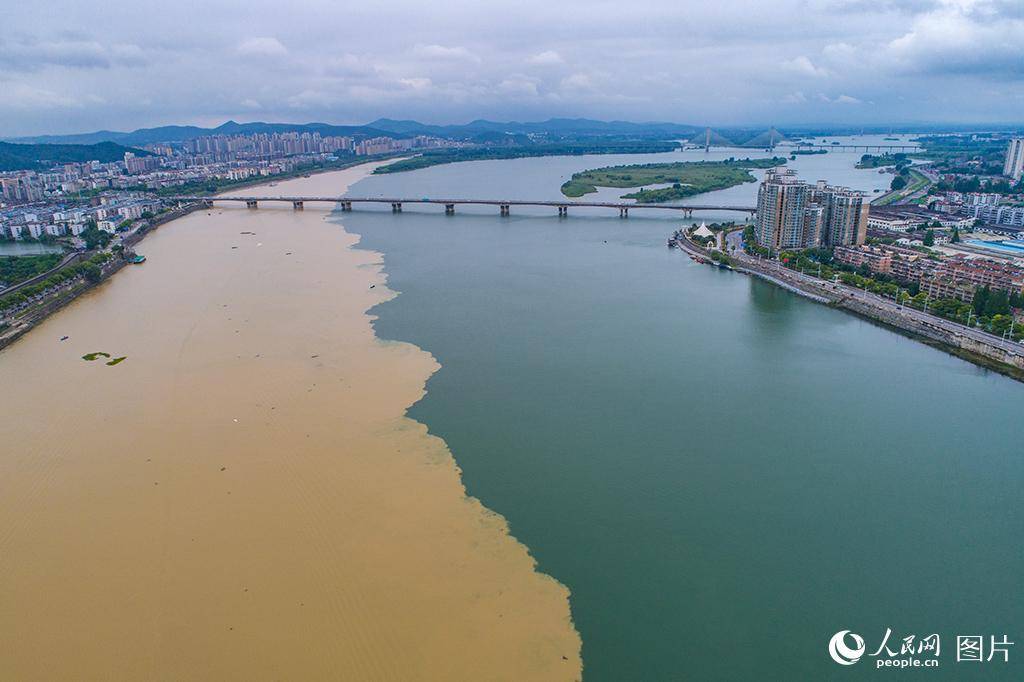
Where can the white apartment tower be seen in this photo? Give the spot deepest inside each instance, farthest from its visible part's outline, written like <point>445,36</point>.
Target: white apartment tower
<point>1014,166</point>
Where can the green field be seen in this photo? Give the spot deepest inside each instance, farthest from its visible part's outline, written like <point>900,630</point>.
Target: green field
<point>687,178</point>
<point>918,181</point>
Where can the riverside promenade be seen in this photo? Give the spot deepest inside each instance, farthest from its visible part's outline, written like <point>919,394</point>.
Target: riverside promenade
<point>972,344</point>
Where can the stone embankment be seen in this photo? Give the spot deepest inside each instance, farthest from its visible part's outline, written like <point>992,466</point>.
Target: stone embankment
<point>975,345</point>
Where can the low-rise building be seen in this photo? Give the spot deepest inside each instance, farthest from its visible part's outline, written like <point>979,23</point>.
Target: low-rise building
<point>999,215</point>
<point>877,259</point>
<point>981,272</point>
<point>889,223</point>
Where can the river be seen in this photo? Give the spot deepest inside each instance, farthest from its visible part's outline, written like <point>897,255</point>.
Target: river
<point>716,475</point>
<point>722,473</point>
<point>242,497</point>
<point>26,248</point>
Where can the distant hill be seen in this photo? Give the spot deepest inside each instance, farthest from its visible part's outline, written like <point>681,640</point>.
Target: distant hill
<point>474,131</point>
<point>34,156</point>
<point>554,126</point>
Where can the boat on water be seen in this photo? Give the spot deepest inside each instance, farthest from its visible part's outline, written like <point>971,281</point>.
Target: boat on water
<point>138,258</point>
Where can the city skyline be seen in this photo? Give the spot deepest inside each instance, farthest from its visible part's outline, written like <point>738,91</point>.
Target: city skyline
<point>70,69</point>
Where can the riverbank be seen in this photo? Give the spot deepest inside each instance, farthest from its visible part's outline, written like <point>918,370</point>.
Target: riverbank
<point>992,353</point>
<point>24,321</point>
<point>244,497</point>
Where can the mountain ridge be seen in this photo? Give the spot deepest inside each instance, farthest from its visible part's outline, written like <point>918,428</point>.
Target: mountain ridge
<point>380,127</point>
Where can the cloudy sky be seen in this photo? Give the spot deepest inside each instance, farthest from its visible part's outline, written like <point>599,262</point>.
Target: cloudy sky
<point>74,65</point>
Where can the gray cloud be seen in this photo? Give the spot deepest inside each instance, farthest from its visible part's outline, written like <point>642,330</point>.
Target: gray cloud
<point>32,54</point>
<point>732,61</point>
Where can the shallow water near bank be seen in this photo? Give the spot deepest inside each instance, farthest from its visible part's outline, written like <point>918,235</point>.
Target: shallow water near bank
<point>723,474</point>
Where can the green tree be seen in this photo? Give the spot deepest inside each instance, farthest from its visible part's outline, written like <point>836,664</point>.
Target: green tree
<point>899,182</point>
<point>929,238</point>
<point>997,303</point>
<point>94,237</point>
<point>92,272</point>
<point>1000,323</point>
<point>980,300</point>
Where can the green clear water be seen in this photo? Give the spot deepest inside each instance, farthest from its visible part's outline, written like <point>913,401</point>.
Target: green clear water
<point>722,473</point>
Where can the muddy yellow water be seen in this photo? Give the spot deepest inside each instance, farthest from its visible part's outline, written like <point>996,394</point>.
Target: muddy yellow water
<point>242,497</point>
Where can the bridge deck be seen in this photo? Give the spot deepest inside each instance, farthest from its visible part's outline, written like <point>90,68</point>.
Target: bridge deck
<point>484,202</point>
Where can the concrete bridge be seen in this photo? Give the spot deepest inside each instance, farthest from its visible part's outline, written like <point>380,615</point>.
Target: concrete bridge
<point>504,205</point>
<point>879,148</point>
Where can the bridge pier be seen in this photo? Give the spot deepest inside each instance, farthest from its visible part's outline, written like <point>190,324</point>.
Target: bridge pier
<point>251,203</point>
<point>449,209</point>
<point>297,205</point>
<point>563,211</point>
<point>208,203</point>
<point>687,212</point>
<point>623,212</point>
<point>504,208</point>
<point>396,206</point>
<point>346,205</point>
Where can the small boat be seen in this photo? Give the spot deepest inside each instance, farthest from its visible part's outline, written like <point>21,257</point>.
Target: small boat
<point>138,258</point>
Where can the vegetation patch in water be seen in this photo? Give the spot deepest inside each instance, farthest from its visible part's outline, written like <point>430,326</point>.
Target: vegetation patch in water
<point>89,357</point>
<point>687,177</point>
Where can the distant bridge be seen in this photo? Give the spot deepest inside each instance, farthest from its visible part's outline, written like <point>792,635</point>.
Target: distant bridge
<point>504,205</point>
<point>883,148</point>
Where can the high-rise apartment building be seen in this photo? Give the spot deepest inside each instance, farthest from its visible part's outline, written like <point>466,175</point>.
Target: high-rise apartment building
<point>794,215</point>
<point>1014,166</point>
<point>846,215</point>
<point>781,200</point>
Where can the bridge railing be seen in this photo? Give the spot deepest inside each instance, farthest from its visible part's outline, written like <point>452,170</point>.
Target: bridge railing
<point>504,203</point>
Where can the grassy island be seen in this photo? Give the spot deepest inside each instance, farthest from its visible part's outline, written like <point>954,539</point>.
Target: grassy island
<point>883,160</point>
<point>687,178</point>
